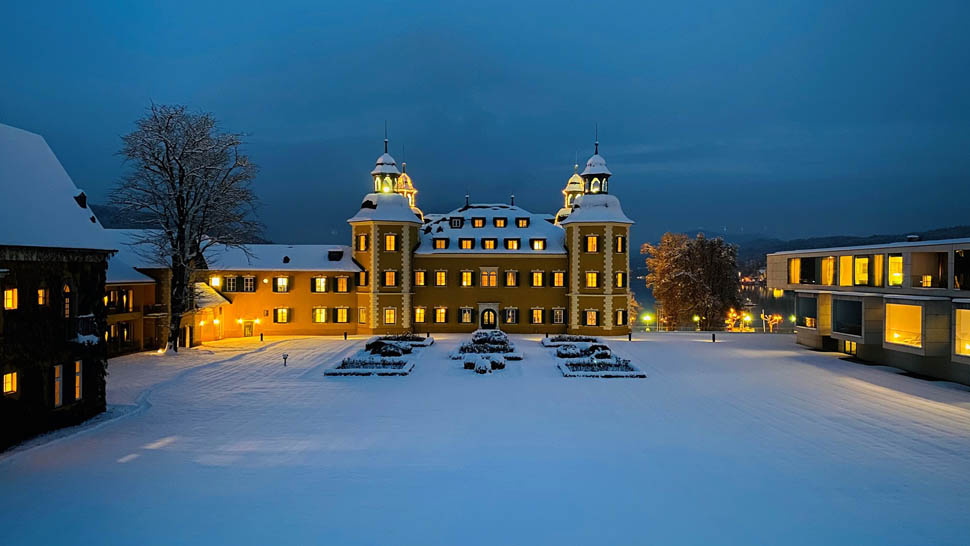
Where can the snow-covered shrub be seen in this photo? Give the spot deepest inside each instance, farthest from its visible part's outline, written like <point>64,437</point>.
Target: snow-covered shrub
<point>573,338</point>
<point>388,348</point>
<point>371,362</point>
<point>576,350</point>
<point>494,337</point>
<point>487,342</point>
<point>569,351</point>
<point>483,365</point>
<point>480,362</point>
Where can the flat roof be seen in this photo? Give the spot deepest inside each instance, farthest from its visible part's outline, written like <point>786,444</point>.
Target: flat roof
<point>901,244</point>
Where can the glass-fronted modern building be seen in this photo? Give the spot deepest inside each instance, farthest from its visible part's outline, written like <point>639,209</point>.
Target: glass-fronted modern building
<point>901,304</point>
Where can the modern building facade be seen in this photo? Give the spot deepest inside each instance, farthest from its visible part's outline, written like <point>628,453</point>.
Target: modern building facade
<point>902,304</point>
<point>53,257</point>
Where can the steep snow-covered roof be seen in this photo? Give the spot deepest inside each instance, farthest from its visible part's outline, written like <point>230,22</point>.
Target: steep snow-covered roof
<point>385,207</point>
<point>270,257</point>
<point>596,207</point>
<point>121,266</point>
<point>596,165</point>
<point>38,207</point>
<point>206,296</point>
<point>539,227</point>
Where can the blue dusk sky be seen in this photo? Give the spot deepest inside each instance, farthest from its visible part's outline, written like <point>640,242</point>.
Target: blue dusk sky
<point>788,118</point>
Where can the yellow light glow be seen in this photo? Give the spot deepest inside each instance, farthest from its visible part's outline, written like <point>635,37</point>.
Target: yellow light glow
<point>697,318</point>
<point>201,323</point>
<point>215,281</point>
<point>777,293</point>
<point>256,321</point>
<point>747,318</point>
<point>239,321</point>
<point>216,321</point>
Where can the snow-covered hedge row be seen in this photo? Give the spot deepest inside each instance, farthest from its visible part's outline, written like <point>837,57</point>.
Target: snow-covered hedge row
<point>484,363</point>
<point>565,339</point>
<point>410,339</point>
<point>576,350</point>
<point>487,342</point>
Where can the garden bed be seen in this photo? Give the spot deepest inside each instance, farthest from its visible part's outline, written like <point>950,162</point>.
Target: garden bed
<point>367,364</point>
<point>587,356</point>
<point>487,342</point>
<point>565,339</point>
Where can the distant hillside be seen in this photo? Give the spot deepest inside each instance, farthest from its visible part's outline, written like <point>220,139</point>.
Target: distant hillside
<point>113,218</point>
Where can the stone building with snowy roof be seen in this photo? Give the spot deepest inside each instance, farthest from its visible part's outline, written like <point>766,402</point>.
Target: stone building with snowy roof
<point>481,265</point>
<point>53,257</point>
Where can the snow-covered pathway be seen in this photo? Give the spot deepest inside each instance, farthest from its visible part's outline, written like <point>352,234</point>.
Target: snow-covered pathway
<point>751,441</point>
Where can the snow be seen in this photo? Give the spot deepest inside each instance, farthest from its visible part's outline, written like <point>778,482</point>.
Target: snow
<point>900,244</point>
<point>596,165</point>
<point>439,227</point>
<point>385,164</point>
<point>385,207</point>
<point>206,296</point>
<point>38,206</point>
<point>596,207</point>
<point>750,440</point>
<point>272,257</point>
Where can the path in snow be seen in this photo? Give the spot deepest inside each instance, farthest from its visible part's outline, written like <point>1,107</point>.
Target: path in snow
<point>750,440</point>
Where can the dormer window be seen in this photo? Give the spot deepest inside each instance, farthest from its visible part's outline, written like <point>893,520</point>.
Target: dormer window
<point>522,222</point>
<point>440,244</point>
<point>478,222</point>
<point>466,244</point>
<point>511,244</point>
<point>489,244</point>
<point>457,222</point>
<point>500,222</point>
<point>538,244</point>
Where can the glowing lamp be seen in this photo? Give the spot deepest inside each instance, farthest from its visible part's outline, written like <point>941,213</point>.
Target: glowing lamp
<point>201,323</point>
<point>792,318</point>
<point>215,281</point>
<point>216,321</point>
<point>238,321</point>
<point>256,321</point>
<point>697,318</point>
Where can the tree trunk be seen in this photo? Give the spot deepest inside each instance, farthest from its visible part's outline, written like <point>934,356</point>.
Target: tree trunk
<point>178,304</point>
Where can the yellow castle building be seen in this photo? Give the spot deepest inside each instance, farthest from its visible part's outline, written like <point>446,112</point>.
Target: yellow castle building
<point>482,265</point>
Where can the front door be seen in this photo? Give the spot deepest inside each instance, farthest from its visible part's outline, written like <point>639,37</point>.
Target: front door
<point>248,328</point>
<point>489,317</point>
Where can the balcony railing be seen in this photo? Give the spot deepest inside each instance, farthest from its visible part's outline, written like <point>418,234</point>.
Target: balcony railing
<point>927,281</point>
<point>84,329</point>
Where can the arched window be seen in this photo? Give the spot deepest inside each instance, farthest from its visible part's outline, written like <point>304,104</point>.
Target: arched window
<point>595,186</point>
<point>67,301</point>
<point>388,186</point>
<point>377,183</point>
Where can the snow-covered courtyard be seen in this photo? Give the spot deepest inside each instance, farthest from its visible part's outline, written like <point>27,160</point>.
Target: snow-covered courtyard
<point>751,440</point>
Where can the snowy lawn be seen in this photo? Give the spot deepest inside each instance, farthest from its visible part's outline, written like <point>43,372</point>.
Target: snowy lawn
<point>751,440</point>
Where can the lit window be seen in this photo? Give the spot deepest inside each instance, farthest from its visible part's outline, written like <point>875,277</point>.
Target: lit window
<point>895,270</point>
<point>489,244</point>
<point>620,279</point>
<point>419,278</point>
<point>592,279</point>
<point>511,315</point>
<point>10,383</point>
<point>558,316</point>
<point>466,278</point>
<point>522,222</point>
<point>511,278</point>
<point>77,380</point>
<point>489,278</point>
<point>538,244</point>
<point>904,324</point>
<point>465,315</point>
<point>362,242</point>
<point>478,222</point>
<point>361,315</point>
<point>499,222</point>
<point>794,270</point>
<point>390,278</point>
<point>845,270</point>
<point>440,314</point>
<point>319,284</point>
<point>419,314</point>
<point>559,278</point>
<point>511,244</point>
<point>962,343</point>
<point>390,242</point>
<point>249,284</point>
<point>58,385</point>
<point>343,314</point>
<point>10,298</point>
<point>343,284</point>
<point>440,278</point>
<point>361,278</point>
<point>828,271</point>
<point>592,243</point>
<point>319,314</point>
<point>466,244</point>
<point>281,315</point>
<point>538,278</point>
<point>281,284</point>
<point>861,270</point>
<point>592,317</point>
<point>619,245</point>
<point>441,244</point>
<point>621,317</point>
<point>215,281</point>
<point>538,316</point>
<point>68,310</point>
<point>390,315</point>
<point>43,296</point>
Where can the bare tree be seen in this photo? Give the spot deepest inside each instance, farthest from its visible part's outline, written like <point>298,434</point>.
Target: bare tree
<point>190,188</point>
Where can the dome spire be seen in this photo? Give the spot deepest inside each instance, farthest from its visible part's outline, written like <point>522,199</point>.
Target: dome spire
<point>596,138</point>
<point>596,175</point>
<point>385,136</point>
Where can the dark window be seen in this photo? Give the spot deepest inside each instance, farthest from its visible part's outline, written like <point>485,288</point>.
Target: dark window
<point>848,317</point>
<point>806,311</point>
<point>961,269</point>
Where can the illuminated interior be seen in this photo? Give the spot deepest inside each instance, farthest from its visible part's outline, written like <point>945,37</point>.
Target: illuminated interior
<point>592,243</point>
<point>419,278</point>
<point>390,241</point>
<point>904,324</point>
<point>861,270</point>
<point>794,270</point>
<point>538,244</point>
<point>592,317</point>
<point>828,270</point>
<point>10,298</point>
<point>10,383</point>
<point>215,281</point>
<point>419,314</point>
<point>489,278</point>
<point>962,342</point>
<point>466,278</point>
<point>282,284</point>
<point>895,270</point>
<point>592,279</point>
<point>845,270</point>
<point>390,315</point>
